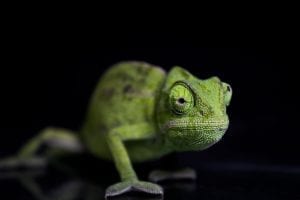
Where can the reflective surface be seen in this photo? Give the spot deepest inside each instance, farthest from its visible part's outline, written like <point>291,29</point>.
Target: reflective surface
<point>87,178</point>
<point>50,83</point>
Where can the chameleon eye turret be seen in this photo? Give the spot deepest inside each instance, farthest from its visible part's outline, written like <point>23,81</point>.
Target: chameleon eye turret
<point>181,98</point>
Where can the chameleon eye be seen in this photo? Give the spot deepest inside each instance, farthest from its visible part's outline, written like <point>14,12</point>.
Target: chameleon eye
<point>181,98</point>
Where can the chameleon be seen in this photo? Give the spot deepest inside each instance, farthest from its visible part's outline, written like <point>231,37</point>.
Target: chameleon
<point>140,112</point>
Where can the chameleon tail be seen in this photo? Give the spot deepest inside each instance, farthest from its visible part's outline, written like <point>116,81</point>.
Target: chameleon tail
<point>17,162</point>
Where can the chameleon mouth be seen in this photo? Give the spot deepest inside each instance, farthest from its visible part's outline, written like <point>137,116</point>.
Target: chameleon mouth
<point>186,124</point>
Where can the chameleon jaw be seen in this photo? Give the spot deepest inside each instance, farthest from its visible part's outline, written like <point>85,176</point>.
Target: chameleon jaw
<point>186,135</point>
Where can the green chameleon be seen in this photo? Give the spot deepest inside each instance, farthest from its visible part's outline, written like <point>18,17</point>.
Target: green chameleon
<point>139,112</point>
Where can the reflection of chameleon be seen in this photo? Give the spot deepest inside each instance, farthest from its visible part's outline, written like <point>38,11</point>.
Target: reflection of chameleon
<point>139,112</point>
<point>69,188</point>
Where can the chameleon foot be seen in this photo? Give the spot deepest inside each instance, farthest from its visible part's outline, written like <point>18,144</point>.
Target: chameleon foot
<point>181,174</point>
<point>134,186</point>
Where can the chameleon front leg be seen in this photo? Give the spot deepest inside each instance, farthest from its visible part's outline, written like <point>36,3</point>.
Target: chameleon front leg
<point>121,158</point>
<point>129,180</point>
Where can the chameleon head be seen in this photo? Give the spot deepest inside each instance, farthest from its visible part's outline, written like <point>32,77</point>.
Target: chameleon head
<point>191,113</point>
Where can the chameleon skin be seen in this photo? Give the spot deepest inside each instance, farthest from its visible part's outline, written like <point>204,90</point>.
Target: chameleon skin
<point>139,112</point>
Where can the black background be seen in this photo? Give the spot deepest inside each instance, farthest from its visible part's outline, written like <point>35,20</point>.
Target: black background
<point>51,84</point>
<point>48,80</point>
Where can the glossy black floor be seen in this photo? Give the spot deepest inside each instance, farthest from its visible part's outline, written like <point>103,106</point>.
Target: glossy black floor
<point>84,177</point>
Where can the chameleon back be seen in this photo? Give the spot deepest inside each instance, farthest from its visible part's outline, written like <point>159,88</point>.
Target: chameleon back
<point>126,94</point>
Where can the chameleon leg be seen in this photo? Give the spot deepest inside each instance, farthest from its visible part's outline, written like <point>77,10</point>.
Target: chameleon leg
<point>129,181</point>
<point>56,138</point>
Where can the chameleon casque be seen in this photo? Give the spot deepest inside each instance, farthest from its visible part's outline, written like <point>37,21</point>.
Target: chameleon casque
<point>138,112</point>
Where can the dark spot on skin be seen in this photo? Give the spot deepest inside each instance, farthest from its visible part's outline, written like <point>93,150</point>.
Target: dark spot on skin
<point>108,92</point>
<point>142,80</point>
<point>116,123</point>
<point>128,89</point>
<point>124,77</point>
<point>142,70</point>
<point>147,119</point>
<point>102,128</point>
<point>201,112</point>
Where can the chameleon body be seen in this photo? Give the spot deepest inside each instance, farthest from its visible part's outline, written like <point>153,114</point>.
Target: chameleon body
<point>139,112</point>
<point>124,101</point>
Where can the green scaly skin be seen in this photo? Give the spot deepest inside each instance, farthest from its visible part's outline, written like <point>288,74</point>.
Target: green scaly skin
<point>139,112</point>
